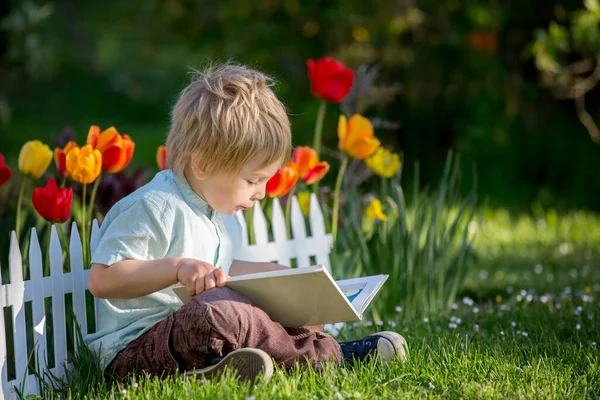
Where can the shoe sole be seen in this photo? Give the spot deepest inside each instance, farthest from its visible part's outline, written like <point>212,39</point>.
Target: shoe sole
<point>394,346</point>
<point>247,363</point>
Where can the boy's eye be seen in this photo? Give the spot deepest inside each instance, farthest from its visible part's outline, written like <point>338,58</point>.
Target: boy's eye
<point>251,183</point>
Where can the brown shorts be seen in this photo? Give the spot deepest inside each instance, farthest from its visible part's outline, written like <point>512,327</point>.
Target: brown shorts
<point>215,323</point>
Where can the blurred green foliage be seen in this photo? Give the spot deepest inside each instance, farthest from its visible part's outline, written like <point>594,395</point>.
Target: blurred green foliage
<point>451,74</point>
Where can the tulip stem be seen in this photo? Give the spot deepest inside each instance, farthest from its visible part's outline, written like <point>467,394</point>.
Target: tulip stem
<point>64,243</point>
<point>84,240</point>
<point>93,199</point>
<point>249,217</point>
<point>288,204</point>
<point>319,127</point>
<point>47,255</point>
<point>336,198</point>
<point>47,261</point>
<point>317,139</point>
<point>19,206</point>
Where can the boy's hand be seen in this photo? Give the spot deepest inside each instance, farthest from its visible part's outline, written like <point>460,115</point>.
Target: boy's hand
<point>198,276</point>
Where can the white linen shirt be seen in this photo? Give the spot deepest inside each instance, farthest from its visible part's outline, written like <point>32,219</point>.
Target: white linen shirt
<point>164,218</point>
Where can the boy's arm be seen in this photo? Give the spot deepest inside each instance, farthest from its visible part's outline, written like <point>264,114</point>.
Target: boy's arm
<point>127,279</point>
<point>239,267</point>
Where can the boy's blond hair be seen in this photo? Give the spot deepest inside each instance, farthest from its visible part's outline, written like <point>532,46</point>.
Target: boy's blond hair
<point>226,117</point>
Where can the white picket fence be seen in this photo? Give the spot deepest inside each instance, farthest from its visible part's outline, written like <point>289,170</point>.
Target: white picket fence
<point>306,250</point>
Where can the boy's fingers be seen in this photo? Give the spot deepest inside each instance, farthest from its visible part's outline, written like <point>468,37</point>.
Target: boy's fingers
<point>191,288</point>
<point>221,277</point>
<point>209,281</point>
<point>200,285</point>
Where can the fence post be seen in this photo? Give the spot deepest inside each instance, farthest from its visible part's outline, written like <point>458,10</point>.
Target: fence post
<point>280,233</point>
<point>58,304</point>
<point>36,276</point>
<point>16,299</point>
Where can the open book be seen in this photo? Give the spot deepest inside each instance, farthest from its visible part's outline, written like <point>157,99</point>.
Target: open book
<point>304,296</point>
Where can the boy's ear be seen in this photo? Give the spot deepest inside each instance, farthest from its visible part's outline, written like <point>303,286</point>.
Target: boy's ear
<point>197,169</point>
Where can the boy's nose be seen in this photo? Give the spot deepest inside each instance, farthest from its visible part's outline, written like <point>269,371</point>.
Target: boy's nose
<point>260,194</point>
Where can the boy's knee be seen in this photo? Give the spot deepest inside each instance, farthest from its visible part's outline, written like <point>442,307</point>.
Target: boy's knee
<point>220,295</point>
<point>226,310</point>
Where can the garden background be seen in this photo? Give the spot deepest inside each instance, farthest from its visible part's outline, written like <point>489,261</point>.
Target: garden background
<point>462,71</point>
<point>499,83</point>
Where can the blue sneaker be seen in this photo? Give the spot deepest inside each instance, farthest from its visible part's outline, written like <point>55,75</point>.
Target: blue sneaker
<point>386,346</point>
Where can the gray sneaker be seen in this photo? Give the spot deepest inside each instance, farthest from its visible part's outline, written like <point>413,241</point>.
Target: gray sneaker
<point>247,363</point>
<point>386,346</point>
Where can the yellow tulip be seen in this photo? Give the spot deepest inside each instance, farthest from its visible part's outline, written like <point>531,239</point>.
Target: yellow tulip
<point>357,137</point>
<point>384,163</point>
<point>84,164</point>
<point>304,202</point>
<point>374,211</point>
<point>34,158</point>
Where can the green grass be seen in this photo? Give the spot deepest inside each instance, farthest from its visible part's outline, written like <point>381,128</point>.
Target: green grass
<point>526,325</point>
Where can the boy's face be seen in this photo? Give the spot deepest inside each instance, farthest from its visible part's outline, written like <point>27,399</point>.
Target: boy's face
<point>228,193</point>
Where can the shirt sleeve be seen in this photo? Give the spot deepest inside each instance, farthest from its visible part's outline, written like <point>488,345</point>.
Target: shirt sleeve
<point>137,232</point>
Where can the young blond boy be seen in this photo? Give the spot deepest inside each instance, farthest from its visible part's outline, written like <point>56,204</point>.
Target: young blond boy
<point>229,135</point>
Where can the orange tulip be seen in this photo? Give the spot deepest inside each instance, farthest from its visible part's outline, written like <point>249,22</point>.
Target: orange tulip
<point>84,164</point>
<point>281,183</point>
<point>60,158</point>
<point>161,157</point>
<point>116,149</point>
<point>310,170</point>
<point>357,137</point>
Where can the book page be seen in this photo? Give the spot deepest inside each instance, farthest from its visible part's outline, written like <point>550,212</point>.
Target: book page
<point>360,291</point>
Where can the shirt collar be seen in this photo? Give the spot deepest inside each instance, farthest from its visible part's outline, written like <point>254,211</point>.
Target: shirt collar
<point>192,197</point>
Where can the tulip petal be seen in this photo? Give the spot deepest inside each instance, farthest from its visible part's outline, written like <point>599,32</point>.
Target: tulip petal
<point>84,164</point>
<point>92,138</point>
<point>364,148</point>
<point>5,171</point>
<point>342,130</point>
<point>359,128</point>
<point>129,146</point>
<point>304,202</point>
<point>281,183</point>
<point>317,173</point>
<point>108,138</point>
<point>161,157</point>
<point>60,160</point>
<point>329,79</point>
<point>113,159</point>
<point>305,159</point>
<point>357,139</point>
<point>273,184</point>
<point>34,158</point>
<point>51,202</point>
<point>5,174</point>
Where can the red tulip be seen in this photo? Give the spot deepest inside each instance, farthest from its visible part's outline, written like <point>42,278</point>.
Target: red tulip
<point>161,157</point>
<point>281,183</point>
<point>329,79</point>
<point>310,170</point>
<point>52,202</point>
<point>5,172</point>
